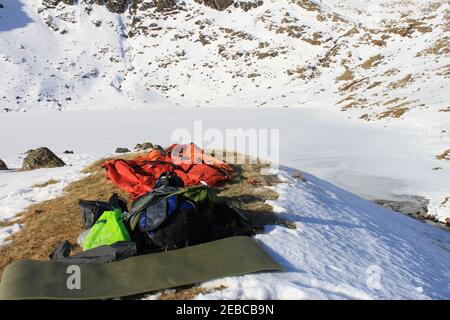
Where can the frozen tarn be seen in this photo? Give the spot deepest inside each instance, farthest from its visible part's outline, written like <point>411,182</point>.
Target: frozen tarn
<point>344,247</point>
<point>369,159</point>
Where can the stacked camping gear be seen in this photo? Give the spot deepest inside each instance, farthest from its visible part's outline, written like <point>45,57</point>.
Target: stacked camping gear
<point>169,216</point>
<point>177,232</point>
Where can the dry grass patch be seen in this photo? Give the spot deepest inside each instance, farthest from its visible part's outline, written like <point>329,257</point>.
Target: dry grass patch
<point>372,61</point>
<point>408,79</point>
<point>439,47</point>
<point>187,293</point>
<point>45,184</point>
<point>393,101</point>
<point>308,5</point>
<point>444,155</point>
<point>373,85</point>
<point>445,71</point>
<point>390,72</point>
<point>352,86</point>
<point>347,75</point>
<point>348,98</point>
<point>48,223</point>
<point>395,112</point>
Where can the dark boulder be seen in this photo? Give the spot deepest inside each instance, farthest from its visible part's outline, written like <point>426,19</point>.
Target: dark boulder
<point>41,158</point>
<point>122,150</point>
<point>3,165</point>
<point>143,146</point>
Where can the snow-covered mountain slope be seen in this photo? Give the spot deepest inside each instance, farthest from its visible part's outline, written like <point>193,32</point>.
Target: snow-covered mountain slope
<point>344,248</point>
<point>375,59</point>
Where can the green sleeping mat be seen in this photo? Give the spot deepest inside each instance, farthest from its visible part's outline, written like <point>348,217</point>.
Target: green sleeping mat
<point>136,275</point>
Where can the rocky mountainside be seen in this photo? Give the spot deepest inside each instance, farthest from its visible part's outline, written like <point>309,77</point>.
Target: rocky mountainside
<point>373,59</point>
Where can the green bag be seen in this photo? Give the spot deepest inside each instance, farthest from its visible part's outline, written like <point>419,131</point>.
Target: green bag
<point>108,229</point>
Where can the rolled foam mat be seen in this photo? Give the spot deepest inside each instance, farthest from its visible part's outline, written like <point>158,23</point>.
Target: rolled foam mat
<point>233,256</point>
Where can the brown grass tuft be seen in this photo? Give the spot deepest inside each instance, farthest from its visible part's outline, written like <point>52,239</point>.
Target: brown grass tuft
<point>187,293</point>
<point>372,61</point>
<point>47,183</point>
<point>444,155</point>
<point>347,75</point>
<point>395,112</point>
<point>408,79</point>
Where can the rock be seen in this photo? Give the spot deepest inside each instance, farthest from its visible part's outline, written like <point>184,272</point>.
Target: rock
<point>3,165</point>
<point>414,206</point>
<point>223,4</point>
<point>299,175</point>
<point>116,6</point>
<point>122,150</point>
<point>91,74</point>
<point>68,152</point>
<point>164,5</point>
<point>41,158</point>
<point>216,4</point>
<point>143,146</point>
<point>50,3</point>
<point>159,148</point>
<point>97,23</point>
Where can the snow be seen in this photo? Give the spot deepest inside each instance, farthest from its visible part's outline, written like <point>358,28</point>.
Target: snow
<point>7,231</point>
<point>17,189</point>
<point>344,247</point>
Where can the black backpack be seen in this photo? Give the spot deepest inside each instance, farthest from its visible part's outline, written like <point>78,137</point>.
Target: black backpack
<point>169,179</point>
<point>170,218</point>
<point>92,210</point>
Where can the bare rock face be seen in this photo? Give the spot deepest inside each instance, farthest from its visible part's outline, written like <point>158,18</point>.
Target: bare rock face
<point>120,6</point>
<point>164,5</point>
<point>41,158</point>
<point>216,4</point>
<point>116,6</point>
<point>3,165</point>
